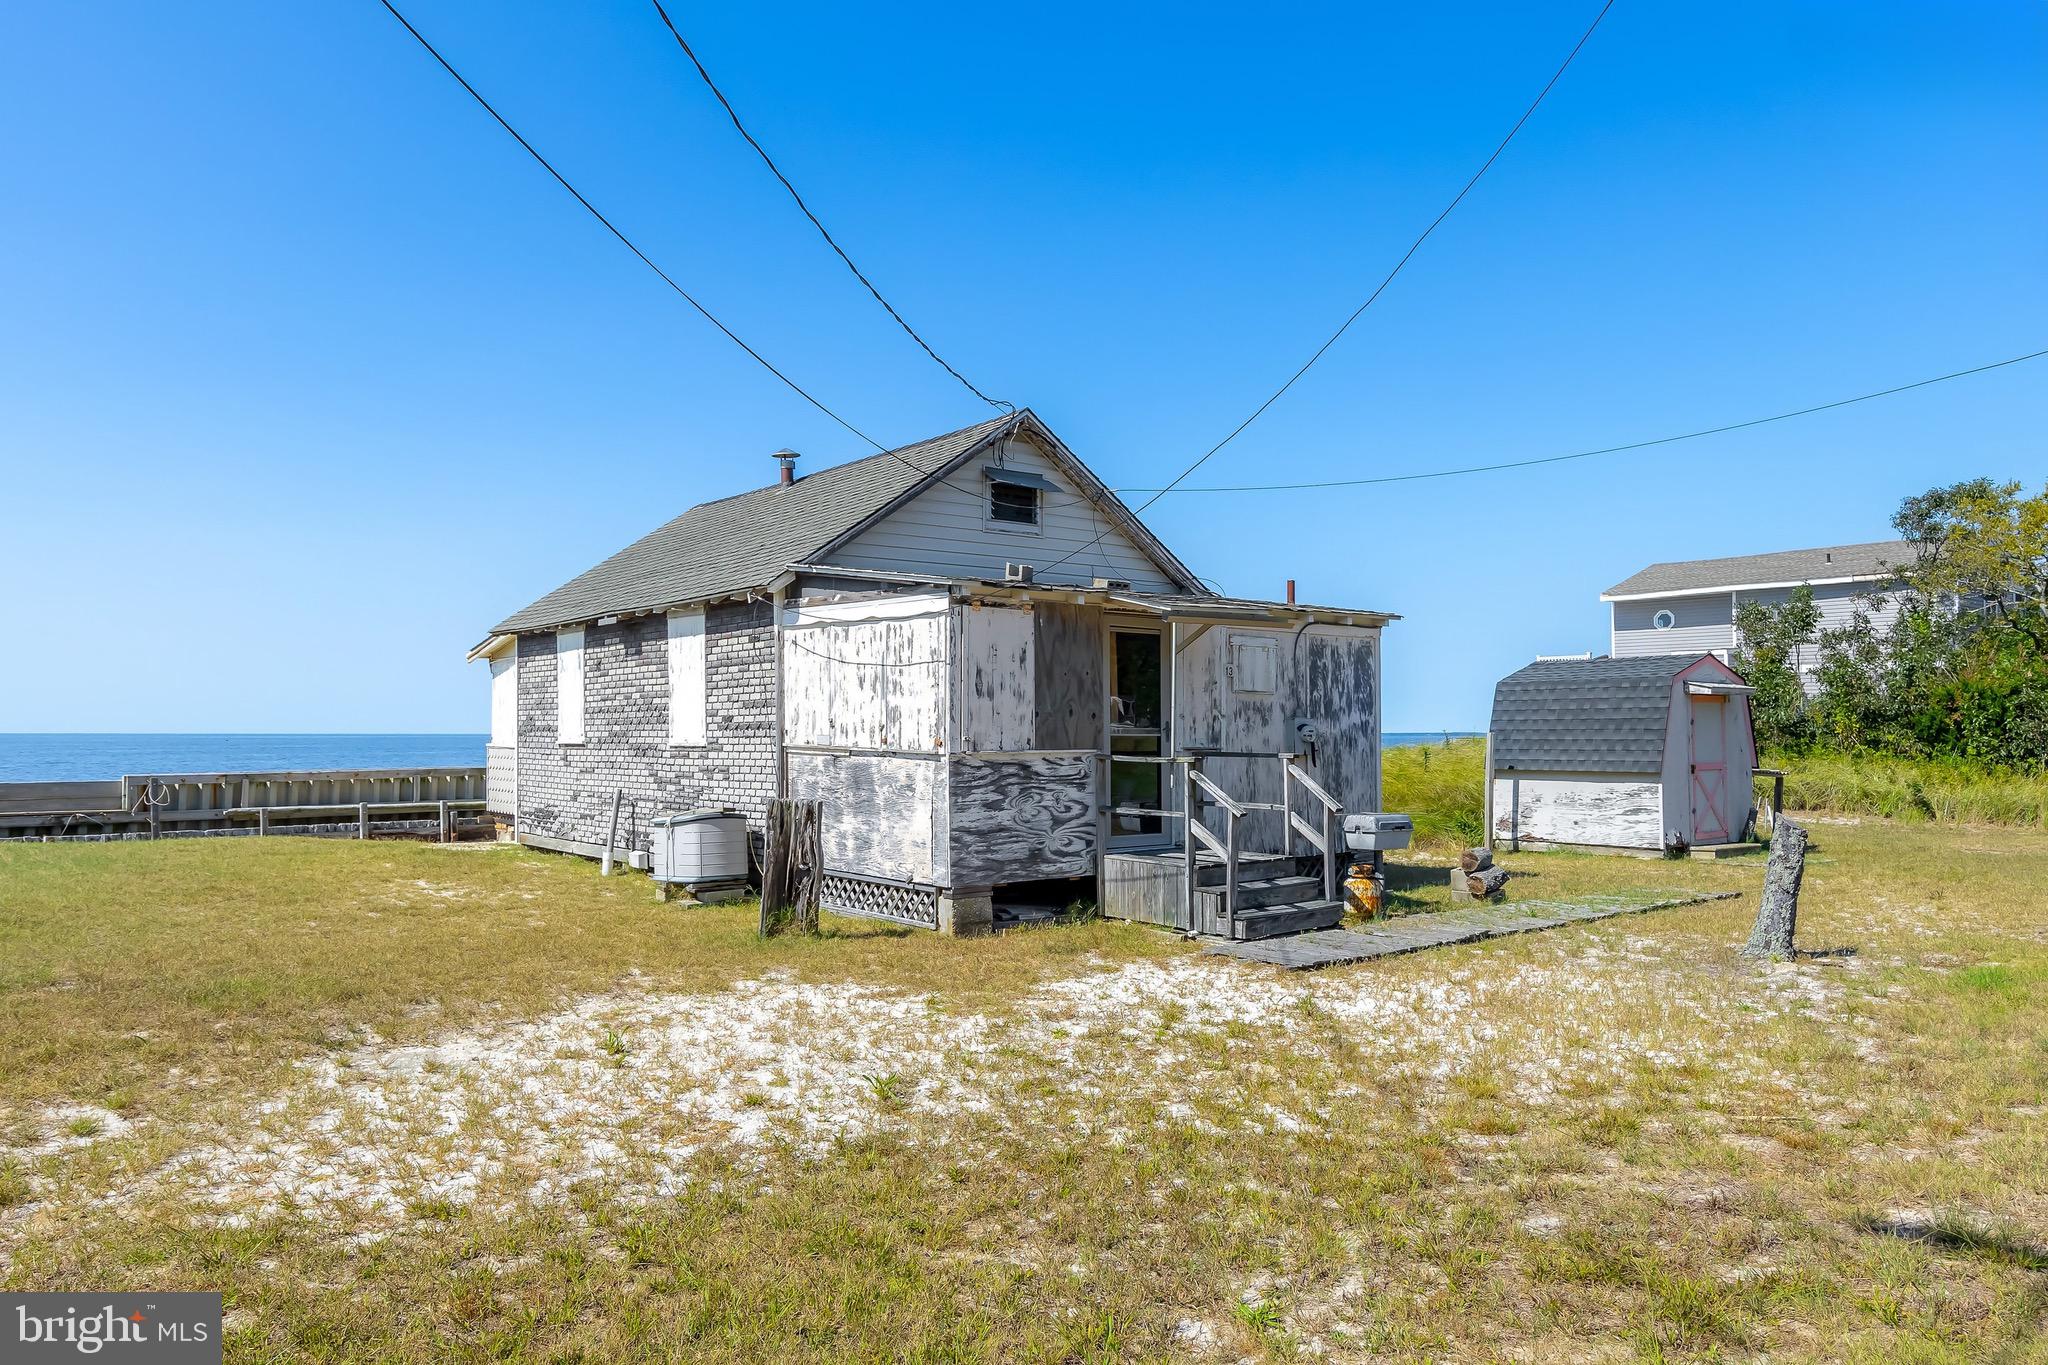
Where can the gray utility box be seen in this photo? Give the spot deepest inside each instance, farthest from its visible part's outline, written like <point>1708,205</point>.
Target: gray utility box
<point>699,847</point>
<point>1377,831</point>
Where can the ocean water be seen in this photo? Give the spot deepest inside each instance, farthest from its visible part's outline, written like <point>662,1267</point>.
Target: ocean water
<point>88,758</point>
<point>1408,739</point>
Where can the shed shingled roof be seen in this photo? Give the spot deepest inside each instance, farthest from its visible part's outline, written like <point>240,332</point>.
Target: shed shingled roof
<point>741,542</point>
<point>1605,715</point>
<point>1868,560</point>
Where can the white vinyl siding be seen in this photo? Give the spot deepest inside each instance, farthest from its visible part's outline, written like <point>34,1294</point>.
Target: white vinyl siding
<point>946,529</point>
<point>505,699</point>
<point>686,691</point>
<point>569,686</point>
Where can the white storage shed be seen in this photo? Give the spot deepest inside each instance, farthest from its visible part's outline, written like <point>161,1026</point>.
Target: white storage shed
<point>1629,754</point>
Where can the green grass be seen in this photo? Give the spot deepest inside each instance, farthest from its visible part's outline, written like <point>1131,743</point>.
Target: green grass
<point>1728,1203</point>
<point>1949,790</point>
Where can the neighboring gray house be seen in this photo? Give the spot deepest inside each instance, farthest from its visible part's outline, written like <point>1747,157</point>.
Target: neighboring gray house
<point>1688,606</point>
<point>1624,754</point>
<point>990,672</point>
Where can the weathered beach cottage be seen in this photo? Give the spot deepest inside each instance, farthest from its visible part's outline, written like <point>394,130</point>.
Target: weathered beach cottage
<point>999,683</point>
<point>1635,753</point>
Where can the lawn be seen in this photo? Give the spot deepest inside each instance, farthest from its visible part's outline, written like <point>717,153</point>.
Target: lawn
<point>414,1103</point>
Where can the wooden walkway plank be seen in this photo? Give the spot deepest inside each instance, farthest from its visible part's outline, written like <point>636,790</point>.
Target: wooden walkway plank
<point>1413,933</point>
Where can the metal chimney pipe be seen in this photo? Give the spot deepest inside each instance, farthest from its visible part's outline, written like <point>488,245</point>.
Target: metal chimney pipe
<point>788,458</point>
<point>1290,592</point>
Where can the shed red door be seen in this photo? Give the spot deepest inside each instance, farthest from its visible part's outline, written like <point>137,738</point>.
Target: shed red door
<point>1709,729</point>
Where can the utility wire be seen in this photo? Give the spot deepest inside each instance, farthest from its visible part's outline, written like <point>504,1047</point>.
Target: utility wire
<point>1413,247</point>
<point>1381,288</point>
<point>837,250</point>
<point>1604,450</point>
<point>627,242</point>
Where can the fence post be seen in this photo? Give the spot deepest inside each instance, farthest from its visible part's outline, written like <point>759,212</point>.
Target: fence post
<point>442,825</point>
<point>262,821</point>
<point>611,837</point>
<point>362,820</point>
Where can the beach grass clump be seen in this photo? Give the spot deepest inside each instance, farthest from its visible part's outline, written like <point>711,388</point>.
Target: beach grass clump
<point>1442,787</point>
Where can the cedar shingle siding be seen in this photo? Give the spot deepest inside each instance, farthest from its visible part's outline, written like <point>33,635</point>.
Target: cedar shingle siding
<point>565,791</point>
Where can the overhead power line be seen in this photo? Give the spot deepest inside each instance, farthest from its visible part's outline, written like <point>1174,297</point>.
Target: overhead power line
<point>1603,450</point>
<point>1379,289</point>
<point>830,241</point>
<point>627,242</point>
<point>1413,247</point>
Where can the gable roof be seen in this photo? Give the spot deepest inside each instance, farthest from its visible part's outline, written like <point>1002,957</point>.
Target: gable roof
<point>1605,715</point>
<point>1780,568</point>
<point>718,549</point>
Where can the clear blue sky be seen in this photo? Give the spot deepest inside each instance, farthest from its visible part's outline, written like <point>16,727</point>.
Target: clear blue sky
<point>307,375</point>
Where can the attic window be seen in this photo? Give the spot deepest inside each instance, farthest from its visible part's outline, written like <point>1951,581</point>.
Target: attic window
<point>1012,503</point>
<point>1664,620</point>
<point>1013,496</point>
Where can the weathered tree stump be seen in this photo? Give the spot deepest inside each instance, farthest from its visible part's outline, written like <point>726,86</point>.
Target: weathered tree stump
<point>794,867</point>
<point>1777,915</point>
<point>1475,859</point>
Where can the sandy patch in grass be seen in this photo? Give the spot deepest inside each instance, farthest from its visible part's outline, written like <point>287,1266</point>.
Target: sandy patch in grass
<point>58,1128</point>
<point>634,1087</point>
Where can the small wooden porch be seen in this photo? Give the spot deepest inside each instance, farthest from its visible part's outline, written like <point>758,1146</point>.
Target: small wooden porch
<point>1207,882</point>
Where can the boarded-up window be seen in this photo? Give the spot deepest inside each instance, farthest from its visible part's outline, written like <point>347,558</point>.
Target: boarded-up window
<point>686,690</point>
<point>1254,664</point>
<point>505,699</point>
<point>569,686</point>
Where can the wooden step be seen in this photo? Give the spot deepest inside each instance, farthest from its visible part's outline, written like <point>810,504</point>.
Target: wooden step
<point>1209,868</point>
<point>1276,920</point>
<point>1258,893</point>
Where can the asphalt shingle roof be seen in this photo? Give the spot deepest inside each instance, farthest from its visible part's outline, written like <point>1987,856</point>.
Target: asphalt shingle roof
<point>1780,566</point>
<point>727,546</point>
<point>1603,715</point>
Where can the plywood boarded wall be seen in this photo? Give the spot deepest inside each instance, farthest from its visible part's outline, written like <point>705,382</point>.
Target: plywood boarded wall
<point>867,674</point>
<point>1066,658</point>
<point>885,815</point>
<point>992,679</point>
<point>1022,818</point>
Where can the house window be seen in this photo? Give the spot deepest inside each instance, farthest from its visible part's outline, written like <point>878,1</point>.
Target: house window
<point>1254,664</point>
<point>569,686</point>
<point>686,679</point>
<point>1012,504</point>
<point>1664,620</point>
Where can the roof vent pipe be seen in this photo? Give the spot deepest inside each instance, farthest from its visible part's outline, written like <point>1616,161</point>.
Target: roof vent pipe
<point>788,458</point>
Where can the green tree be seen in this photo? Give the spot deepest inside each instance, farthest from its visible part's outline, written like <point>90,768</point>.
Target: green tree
<point>1770,640</point>
<point>1982,550</point>
<point>1963,670</point>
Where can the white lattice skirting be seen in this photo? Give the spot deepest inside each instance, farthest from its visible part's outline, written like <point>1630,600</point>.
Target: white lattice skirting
<point>848,895</point>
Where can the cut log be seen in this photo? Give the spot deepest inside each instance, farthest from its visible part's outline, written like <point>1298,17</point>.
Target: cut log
<point>1476,859</point>
<point>1777,915</point>
<point>1487,881</point>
